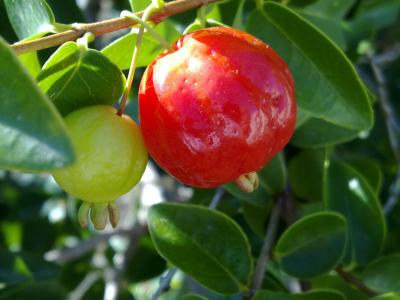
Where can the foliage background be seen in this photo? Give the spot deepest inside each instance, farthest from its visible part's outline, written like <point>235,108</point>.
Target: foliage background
<point>339,160</point>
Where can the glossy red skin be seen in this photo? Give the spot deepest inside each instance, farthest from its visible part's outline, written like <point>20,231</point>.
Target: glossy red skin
<point>219,105</point>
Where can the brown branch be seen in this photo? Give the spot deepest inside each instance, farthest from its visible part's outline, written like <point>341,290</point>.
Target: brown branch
<point>350,278</point>
<point>106,26</point>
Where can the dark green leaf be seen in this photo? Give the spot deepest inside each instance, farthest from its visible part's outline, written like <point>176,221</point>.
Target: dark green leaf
<point>145,263</point>
<point>321,236</point>
<point>29,17</point>
<point>348,193</point>
<point>203,243</point>
<point>334,9</point>
<point>43,290</point>
<point>120,51</point>
<point>32,134</point>
<point>328,90</point>
<point>306,173</point>
<point>269,295</point>
<point>321,295</point>
<point>371,172</point>
<point>383,274</point>
<point>76,77</point>
<point>257,197</point>
<point>336,283</point>
<point>273,176</point>
<point>256,216</point>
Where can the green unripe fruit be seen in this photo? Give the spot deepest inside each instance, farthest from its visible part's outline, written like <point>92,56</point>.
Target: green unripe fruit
<point>111,159</point>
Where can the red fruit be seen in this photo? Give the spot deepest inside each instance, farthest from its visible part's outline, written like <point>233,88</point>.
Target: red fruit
<point>219,105</point>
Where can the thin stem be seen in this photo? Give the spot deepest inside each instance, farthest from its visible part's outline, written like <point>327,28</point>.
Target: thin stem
<point>131,75</point>
<point>392,128</point>
<point>84,286</point>
<point>106,26</point>
<point>355,281</point>
<point>217,198</point>
<point>268,244</point>
<point>163,42</point>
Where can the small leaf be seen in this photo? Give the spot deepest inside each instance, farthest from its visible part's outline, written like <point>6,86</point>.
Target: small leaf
<point>348,193</point>
<point>273,176</point>
<point>121,50</point>
<point>321,236</point>
<point>334,282</point>
<point>269,295</point>
<point>29,17</point>
<point>310,162</point>
<point>328,90</point>
<point>138,5</point>
<point>203,243</point>
<point>32,134</point>
<point>321,295</point>
<point>383,274</point>
<point>30,61</point>
<point>371,172</point>
<point>75,77</point>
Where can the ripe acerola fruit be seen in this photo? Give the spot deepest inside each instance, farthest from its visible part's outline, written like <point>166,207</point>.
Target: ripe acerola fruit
<point>111,159</point>
<point>216,107</point>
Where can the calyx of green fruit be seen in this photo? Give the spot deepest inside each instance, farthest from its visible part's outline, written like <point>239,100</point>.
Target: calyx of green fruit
<point>100,214</point>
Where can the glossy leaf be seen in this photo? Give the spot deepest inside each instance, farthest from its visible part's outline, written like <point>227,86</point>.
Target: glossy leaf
<point>269,295</point>
<point>328,90</point>
<point>333,9</point>
<point>120,51</point>
<point>30,61</point>
<point>256,216</point>
<point>334,282</point>
<point>306,173</point>
<point>258,197</point>
<point>371,172</point>
<point>313,245</point>
<point>75,77</point>
<point>203,243</point>
<point>32,134</point>
<point>29,17</point>
<point>273,176</point>
<point>348,193</point>
<point>383,274</point>
<point>389,296</point>
<point>321,295</point>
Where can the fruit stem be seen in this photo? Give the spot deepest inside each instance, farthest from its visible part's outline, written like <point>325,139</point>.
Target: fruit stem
<point>248,183</point>
<point>146,15</point>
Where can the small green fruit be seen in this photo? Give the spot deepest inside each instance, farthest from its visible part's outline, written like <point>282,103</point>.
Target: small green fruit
<point>111,159</point>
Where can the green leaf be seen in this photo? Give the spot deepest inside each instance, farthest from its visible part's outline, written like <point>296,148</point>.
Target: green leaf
<point>32,134</point>
<point>371,172</point>
<point>273,176</point>
<point>192,297</point>
<point>321,236</point>
<point>336,283</point>
<point>203,243</point>
<point>331,27</point>
<point>120,51</point>
<point>256,216</point>
<point>333,9</point>
<point>348,193</point>
<point>76,77</point>
<point>30,61</point>
<point>383,274</point>
<point>390,296</point>
<point>138,5</point>
<point>258,197</point>
<point>269,295</point>
<point>29,17</point>
<point>328,90</point>
<point>311,162</point>
<point>321,295</point>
